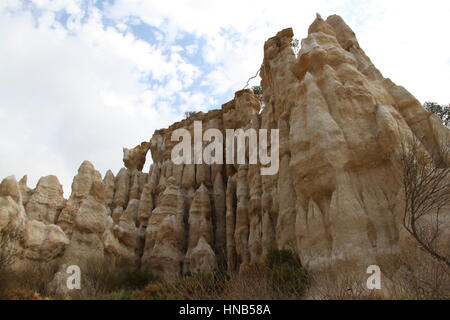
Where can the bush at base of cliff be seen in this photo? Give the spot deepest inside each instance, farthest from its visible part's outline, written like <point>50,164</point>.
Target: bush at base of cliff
<point>22,294</point>
<point>192,287</point>
<point>136,279</point>
<point>286,275</point>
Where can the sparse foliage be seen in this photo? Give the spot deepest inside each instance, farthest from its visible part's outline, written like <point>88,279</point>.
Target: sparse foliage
<point>189,114</point>
<point>285,273</point>
<point>414,274</point>
<point>257,90</point>
<point>427,198</point>
<point>136,279</point>
<point>442,112</point>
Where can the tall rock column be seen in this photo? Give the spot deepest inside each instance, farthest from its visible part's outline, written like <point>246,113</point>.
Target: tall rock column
<point>200,256</point>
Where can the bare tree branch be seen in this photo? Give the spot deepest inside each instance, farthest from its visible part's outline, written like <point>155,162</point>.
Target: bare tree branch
<point>427,191</point>
<point>250,79</point>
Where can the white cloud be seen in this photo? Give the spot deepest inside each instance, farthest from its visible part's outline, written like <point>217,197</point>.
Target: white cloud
<point>408,42</point>
<point>83,89</point>
<point>399,36</point>
<point>71,95</point>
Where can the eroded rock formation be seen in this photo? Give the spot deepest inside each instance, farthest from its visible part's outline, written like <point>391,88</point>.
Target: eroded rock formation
<point>336,197</point>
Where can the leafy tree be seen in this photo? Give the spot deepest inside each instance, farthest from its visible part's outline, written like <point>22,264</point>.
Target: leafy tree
<point>286,274</point>
<point>442,112</point>
<point>257,90</point>
<point>189,114</point>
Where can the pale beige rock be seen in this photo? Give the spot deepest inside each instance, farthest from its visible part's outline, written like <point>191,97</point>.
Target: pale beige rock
<point>337,196</point>
<point>116,214</point>
<point>10,187</point>
<point>126,230</point>
<point>238,112</point>
<point>254,206</point>
<point>12,215</point>
<point>220,219</point>
<point>188,180</point>
<point>81,188</point>
<point>109,182</point>
<point>346,125</point>
<point>135,192</point>
<point>122,188</point>
<point>90,222</point>
<point>164,237</point>
<point>200,257</point>
<point>255,214</point>
<point>231,224</point>
<point>134,159</point>
<point>33,240</point>
<point>47,201</point>
<point>42,242</point>
<point>241,232</point>
<point>146,204</point>
<point>25,190</point>
<point>285,227</point>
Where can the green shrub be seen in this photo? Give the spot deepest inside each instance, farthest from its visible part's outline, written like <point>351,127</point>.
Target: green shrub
<point>257,90</point>
<point>136,279</point>
<point>285,274</point>
<point>280,257</point>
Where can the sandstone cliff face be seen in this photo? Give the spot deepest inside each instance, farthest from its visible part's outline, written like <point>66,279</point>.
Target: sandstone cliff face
<point>336,197</point>
<point>346,124</point>
<point>33,241</point>
<point>47,201</point>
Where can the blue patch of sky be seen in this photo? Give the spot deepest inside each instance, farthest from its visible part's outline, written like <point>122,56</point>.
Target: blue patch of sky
<point>145,32</point>
<point>185,40</point>
<point>152,35</point>
<point>61,16</point>
<point>149,34</point>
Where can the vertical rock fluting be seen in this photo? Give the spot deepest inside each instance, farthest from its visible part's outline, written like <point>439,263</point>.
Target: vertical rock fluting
<point>241,232</point>
<point>88,227</point>
<point>47,201</point>
<point>337,195</point>
<point>81,187</point>
<point>346,123</point>
<point>32,240</point>
<point>200,256</point>
<point>164,235</point>
<point>220,219</point>
<point>341,126</point>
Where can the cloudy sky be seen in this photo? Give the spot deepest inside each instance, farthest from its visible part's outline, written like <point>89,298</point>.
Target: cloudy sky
<point>80,79</point>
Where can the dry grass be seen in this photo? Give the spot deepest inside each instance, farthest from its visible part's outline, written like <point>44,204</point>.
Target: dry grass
<point>30,281</point>
<point>344,284</point>
<point>23,294</point>
<point>414,274</point>
<point>280,277</point>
